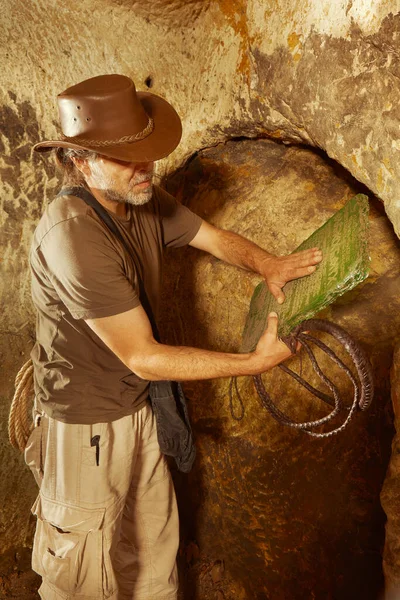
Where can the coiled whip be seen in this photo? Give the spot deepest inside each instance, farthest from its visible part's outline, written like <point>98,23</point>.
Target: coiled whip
<point>363,383</point>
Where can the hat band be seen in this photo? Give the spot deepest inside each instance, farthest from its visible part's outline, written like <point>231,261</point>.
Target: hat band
<point>126,139</point>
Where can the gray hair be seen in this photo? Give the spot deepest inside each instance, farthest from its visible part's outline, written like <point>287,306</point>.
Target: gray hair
<point>71,174</point>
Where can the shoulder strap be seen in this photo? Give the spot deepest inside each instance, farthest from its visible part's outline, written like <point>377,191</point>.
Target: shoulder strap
<point>87,197</point>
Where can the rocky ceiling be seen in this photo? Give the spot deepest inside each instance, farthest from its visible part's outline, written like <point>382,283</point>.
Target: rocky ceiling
<point>324,74</point>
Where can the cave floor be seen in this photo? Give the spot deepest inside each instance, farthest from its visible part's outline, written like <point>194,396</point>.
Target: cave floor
<point>20,585</point>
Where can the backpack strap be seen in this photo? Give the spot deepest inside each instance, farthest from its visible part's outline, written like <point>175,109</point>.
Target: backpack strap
<point>86,196</point>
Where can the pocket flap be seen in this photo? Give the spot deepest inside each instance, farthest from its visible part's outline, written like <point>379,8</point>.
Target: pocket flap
<point>67,517</point>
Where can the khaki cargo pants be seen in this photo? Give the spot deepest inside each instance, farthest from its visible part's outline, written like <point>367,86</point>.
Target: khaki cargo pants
<point>107,521</point>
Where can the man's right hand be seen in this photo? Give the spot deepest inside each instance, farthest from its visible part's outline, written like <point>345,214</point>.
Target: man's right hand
<point>270,350</point>
<point>130,337</point>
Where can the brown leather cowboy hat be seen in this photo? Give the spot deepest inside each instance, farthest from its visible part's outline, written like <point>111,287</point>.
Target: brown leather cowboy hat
<point>107,115</point>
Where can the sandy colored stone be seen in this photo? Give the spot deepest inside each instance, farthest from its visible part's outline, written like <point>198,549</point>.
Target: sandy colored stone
<point>325,74</point>
<point>288,515</point>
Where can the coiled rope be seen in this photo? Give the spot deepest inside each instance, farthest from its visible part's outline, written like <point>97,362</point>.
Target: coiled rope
<point>20,423</point>
<point>363,383</point>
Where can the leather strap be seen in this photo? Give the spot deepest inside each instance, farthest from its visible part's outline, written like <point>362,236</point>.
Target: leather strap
<point>86,196</point>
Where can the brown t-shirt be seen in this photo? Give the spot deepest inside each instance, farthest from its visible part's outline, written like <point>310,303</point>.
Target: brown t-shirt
<point>80,270</point>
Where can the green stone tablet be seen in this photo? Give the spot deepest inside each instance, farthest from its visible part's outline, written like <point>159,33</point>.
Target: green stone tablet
<point>343,241</point>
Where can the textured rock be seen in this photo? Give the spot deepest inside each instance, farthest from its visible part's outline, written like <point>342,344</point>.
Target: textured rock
<point>333,89</point>
<point>390,496</point>
<point>289,516</point>
<point>22,180</point>
<point>325,74</point>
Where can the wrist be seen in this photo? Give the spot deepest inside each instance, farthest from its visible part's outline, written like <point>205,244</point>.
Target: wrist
<point>258,363</point>
<point>267,265</point>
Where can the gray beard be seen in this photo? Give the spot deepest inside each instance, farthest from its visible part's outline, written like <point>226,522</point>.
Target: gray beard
<point>131,198</point>
<point>109,188</point>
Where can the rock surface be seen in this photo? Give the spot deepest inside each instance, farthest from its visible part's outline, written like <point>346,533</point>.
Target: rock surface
<point>325,74</point>
<point>287,515</point>
<point>390,496</point>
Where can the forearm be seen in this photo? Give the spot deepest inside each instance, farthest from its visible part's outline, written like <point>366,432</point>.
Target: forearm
<point>182,363</point>
<point>143,355</point>
<point>237,250</point>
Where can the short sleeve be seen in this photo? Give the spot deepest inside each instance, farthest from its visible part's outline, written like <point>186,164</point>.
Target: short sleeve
<point>179,224</point>
<point>86,269</point>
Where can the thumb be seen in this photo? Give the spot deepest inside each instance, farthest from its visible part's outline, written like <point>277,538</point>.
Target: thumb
<point>272,324</point>
<point>277,293</point>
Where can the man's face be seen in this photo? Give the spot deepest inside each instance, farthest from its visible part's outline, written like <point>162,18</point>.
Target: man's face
<point>120,181</point>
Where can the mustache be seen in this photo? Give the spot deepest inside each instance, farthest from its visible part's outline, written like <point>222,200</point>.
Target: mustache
<point>141,177</point>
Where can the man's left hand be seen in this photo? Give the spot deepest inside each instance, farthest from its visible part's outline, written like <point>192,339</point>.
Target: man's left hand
<point>278,270</point>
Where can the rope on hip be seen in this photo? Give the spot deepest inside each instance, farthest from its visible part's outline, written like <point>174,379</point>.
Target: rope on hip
<point>363,383</point>
<point>20,423</point>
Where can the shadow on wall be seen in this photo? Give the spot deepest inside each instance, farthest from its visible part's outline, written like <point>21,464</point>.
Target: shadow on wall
<point>269,513</point>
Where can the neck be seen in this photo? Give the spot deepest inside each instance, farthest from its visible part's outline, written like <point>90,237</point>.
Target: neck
<point>118,208</point>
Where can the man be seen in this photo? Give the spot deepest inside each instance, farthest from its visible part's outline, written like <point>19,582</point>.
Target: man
<point>107,519</point>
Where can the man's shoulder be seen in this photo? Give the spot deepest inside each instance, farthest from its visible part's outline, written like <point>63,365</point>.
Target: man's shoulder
<point>61,210</point>
<point>162,201</point>
<point>159,193</point>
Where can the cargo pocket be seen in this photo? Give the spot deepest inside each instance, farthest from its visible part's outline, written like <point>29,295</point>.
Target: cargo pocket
<point>68,550</point>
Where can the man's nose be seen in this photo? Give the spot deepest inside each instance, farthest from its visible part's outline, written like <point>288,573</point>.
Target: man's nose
<point>145,166</point>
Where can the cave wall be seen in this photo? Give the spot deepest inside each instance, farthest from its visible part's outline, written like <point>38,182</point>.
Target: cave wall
<point>325,74</point>
<point>286,515</point>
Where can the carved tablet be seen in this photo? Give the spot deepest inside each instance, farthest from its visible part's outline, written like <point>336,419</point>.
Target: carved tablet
<point>343,240</point>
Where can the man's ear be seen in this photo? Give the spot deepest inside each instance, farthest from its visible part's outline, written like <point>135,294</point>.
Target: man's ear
<point>82,165</point>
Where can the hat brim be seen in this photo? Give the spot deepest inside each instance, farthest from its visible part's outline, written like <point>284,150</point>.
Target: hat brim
<point>163,140</point>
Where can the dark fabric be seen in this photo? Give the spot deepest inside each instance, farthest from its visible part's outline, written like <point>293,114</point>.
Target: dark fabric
<point>174,432</point>
<point>85,195</point>
<point>167,398</point>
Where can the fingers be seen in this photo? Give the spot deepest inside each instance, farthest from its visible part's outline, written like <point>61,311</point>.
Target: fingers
<point>287,268</point>
<point>312,256</point>
<point>301,272</point>
<point>301,264</point>
<point>276,288</point>
<point>304,258</point>
<point>277,292</point>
